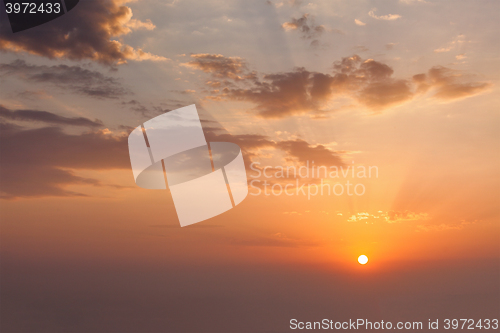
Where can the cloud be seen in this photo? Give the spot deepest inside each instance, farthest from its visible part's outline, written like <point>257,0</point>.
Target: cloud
<point>360,48</point>
<point>282,94</point>
<point>137,106</point>
<point>358,22</point>
<point>445,226</point>
<point>390,46</point>
<point>404,216</point>
<point>358,217</point>
<point>305,26</point>
<point>73,78</point>
<point>34,94</point>
<point>44,161</point>
<point>409,2</point>
<point>297,151</point>
<point>250,144</point>
<point>41,162</point>
<point>443,49</point>
<point>301,91</point>
<point>368,82</point>
<point>218,65</point>
<point>302,151</point>
<point>87,32</point>
<point>449,84</point>
<point>459,40</point>
<point>137,25</point>
<point>292,3</point>
<point>47,117</point>
<point>383,94</point>
<point>390,216</point>
<point>149,110</point>
<point>388,17</point>
<point>315,43</point>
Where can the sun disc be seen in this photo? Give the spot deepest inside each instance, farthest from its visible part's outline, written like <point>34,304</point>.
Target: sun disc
<point>362,259</point>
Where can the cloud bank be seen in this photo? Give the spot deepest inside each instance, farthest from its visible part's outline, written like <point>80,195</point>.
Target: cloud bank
<point>90,31</point>
<point>369,83</point>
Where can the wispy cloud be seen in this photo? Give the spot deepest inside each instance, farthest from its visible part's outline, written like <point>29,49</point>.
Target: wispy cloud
<point>218,65</point>
<point>445,226</point>
<point>388,17</point>
<point>389,217</point>
<point>358,22</point>
<point>449,84</point>
<point>47,117</point>
<point>404,216</point>
<point>138,25</point>
<point>409,2</point>
<point>390,46</point>
<point>305,25</point>
<point>73,78</point>
<point>459,40</point>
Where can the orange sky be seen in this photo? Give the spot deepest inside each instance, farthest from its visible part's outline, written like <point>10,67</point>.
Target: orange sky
<point>410,87</point>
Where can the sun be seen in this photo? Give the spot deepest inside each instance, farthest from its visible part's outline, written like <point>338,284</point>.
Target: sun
<point>362,259</point>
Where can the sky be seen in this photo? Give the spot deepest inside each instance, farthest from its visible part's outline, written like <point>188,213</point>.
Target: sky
<point>408,88</point>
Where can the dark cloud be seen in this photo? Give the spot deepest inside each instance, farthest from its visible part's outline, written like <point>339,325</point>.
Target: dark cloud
<point>47,117</point>
<point>41,162</point>
<point>298,151</point>
<point>305,25</point>
<point>73,78</point>
<point>219,66</point>
<point>279,95</point>
<point>27,181</point>
<point>34,95</point>
<point>315,43</point>
<point>250,144</point>
<point>126,128</point>
<point>369,82</point>
<point>87,32</point>
<point>302,151</point>
<point>149,110</point>
<point>381,95</point>
<point>301,91</point>
<point>449,84</point>
<point>138,107</point>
